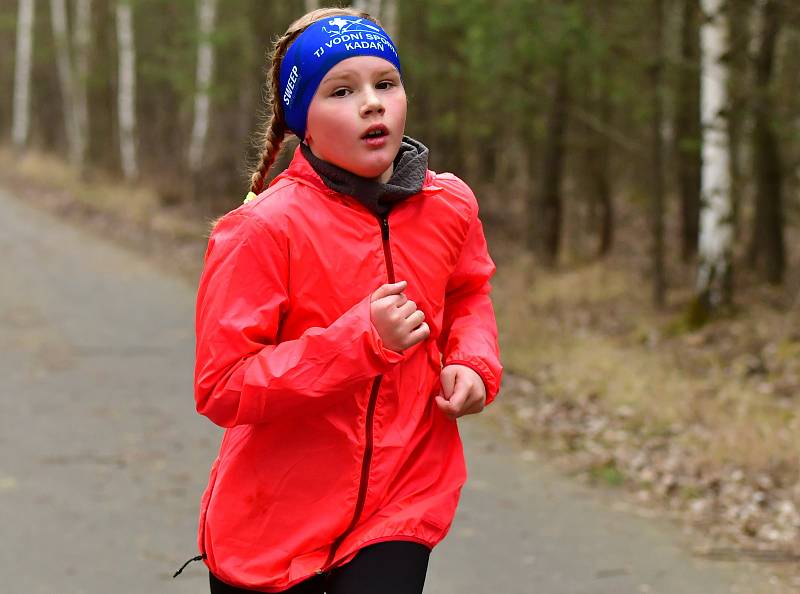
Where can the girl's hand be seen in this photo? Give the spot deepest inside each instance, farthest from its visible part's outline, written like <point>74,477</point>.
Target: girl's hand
<point>398,321</point>
<point>463,391</point>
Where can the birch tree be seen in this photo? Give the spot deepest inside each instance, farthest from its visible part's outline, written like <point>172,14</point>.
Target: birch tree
<point>66,80</point>
<point>716,231</point>
<point>22,74</point>
<point>207,11</point>
<point>312,5</point>
<point>127,90</point>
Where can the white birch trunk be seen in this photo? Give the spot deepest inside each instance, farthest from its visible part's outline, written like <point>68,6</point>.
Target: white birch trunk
<point>127,90</point>
<point>207,12</point>
<point>65,76</point>
<point>82,39</point>
<point>22,74</point>
<point>716,229</point>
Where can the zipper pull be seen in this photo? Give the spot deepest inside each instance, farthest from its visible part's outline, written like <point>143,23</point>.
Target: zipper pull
<point>385,228</point>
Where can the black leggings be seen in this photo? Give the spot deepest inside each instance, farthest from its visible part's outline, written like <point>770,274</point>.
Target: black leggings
<point>389,567</point>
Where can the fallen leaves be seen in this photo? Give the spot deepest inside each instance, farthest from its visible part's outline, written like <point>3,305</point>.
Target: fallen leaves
<point>664,465</point>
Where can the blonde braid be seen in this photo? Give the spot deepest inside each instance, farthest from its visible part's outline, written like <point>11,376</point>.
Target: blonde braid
<point>273,136</point>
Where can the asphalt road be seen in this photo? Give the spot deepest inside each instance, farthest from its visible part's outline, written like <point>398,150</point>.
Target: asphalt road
<point>103,458</point>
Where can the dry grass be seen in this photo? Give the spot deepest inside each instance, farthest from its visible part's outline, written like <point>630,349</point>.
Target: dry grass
<point>591,331</point>
<point>131,214</point>
<point>101,192</point>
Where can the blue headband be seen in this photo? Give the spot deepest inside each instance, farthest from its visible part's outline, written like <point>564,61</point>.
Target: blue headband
<point>319,48</point>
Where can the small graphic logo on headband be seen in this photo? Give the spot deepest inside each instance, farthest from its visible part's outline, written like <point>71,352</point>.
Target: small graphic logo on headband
<point>343,26</point>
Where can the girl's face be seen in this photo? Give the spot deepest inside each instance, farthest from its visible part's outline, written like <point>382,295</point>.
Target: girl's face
<point>356,96</point>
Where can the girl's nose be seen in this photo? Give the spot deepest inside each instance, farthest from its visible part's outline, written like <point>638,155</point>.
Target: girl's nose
<point>372,103</point>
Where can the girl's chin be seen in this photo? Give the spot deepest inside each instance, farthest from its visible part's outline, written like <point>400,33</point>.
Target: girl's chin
<point>371,165</point>
<point>376,176</point>
<point>372,172</point>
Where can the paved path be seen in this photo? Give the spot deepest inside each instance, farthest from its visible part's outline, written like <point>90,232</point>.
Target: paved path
<point>103,459</point>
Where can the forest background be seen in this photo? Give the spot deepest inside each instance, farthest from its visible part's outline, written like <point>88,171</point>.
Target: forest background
<point>637,163</point>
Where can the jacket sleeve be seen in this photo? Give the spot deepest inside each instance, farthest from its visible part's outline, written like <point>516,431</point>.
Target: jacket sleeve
<point>243,375</point>
<point>469,329</point>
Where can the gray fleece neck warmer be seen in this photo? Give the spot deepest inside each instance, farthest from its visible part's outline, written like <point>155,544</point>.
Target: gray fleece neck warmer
<point>408,176</point>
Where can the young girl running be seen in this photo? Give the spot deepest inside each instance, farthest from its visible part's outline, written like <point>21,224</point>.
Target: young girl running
<point>343,324</point>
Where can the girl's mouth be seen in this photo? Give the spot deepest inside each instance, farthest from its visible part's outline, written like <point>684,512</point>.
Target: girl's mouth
<point>375,141</point>
<point>376,136</point>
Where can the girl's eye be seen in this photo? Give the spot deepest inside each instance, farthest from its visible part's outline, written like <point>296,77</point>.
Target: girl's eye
<point>387,84</point>
<point>340,92</point>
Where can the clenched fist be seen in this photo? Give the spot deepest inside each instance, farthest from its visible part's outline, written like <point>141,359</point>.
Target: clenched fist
<point>396,318</point>
<point>463,391</point>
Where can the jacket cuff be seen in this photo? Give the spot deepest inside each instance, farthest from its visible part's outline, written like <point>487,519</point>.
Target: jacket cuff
<point>479,367</point>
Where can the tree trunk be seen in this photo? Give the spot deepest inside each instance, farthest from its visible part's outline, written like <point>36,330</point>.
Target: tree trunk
<point>372,7</point>
<point>546,217</point>
<point>389,19</point>
<point>657,173</point>
<point>22,74</point>
<point>127,90</point>
<point>739,17</point>
<point>65,76</point>
<point>104,144</point>
<point>205,67</point>
<point>716,231</point>
<point>687,129</point>
<point>311,5</point>
<point>598,154</point>
<point>767,251</point>
<point>83,15</point>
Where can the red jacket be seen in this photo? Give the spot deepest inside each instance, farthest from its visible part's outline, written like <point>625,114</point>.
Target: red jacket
<point>333,441</point>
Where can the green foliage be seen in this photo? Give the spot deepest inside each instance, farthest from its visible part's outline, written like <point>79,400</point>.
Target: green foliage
<point>166,49</point>
<point>8,21</point>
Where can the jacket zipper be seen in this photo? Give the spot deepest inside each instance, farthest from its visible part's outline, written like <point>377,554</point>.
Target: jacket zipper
<point>373,398</point>
<point>387,250</point>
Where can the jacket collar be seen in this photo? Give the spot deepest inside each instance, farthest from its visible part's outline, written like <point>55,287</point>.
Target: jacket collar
<point>300,170</point>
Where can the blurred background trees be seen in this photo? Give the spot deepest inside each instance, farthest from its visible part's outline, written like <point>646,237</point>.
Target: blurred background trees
<point>571,120</point>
